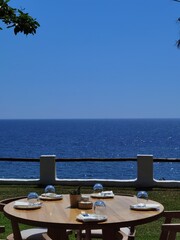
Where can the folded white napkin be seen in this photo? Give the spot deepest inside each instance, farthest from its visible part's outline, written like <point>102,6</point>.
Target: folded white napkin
<point>91,217</point>
<point>51,195</point>
<point>107,193</point>
<point>148,206</point>
<point>103,194</point>
<point>21,204</point>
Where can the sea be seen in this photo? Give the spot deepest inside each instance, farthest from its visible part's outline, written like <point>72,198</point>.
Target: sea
<point>90,138</point>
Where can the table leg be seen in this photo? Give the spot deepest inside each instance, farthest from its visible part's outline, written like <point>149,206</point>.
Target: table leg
<point>78,234</point>
<point>110,233</point>
<point>16,231</point>
<point>57,234</point>
<point>88,234</point>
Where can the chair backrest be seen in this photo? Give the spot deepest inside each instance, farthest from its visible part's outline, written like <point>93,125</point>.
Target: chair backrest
<point>169,230</point>
<point>2,204</point>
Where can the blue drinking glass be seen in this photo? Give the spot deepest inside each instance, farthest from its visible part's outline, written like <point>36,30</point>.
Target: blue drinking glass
<point>142,198</point>
<point>100,207</point>
<point>32,198</point>
<point>98,188</point>
<point>49,189</point>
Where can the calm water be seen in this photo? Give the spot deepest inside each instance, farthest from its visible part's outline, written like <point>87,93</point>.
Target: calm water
<point>90,138</point>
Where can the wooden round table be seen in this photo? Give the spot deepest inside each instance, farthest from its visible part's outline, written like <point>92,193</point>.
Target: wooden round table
<point>57,216</point>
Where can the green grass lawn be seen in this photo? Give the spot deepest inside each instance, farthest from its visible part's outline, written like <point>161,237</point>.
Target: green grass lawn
<point>170,198</point>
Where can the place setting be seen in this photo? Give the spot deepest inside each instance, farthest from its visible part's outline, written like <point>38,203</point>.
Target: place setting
<point>99,193</point>
<point>99,214</point>
<point>32,202</point>
<point>50,194</point>
<point>142,203</point>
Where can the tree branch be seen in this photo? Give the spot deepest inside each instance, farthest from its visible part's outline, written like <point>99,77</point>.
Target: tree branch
<point>17,19</point>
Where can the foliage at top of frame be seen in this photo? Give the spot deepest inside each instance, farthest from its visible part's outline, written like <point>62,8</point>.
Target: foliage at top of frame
<point>17,19</point>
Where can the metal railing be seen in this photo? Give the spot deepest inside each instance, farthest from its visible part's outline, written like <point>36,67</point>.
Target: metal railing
<point>48,172</point>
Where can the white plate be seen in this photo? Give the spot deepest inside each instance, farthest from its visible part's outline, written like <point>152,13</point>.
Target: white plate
<point>146,207</point>
<point>45,196</point>
<point>91,218</point>
<point>105,194</point>
<point>26,205</point>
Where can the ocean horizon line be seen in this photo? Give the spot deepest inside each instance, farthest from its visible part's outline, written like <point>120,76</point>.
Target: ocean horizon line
<point>123,118</point>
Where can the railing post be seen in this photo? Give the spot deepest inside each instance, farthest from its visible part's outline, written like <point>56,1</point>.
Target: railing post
<point>47,169</point>
<point>144,171</point>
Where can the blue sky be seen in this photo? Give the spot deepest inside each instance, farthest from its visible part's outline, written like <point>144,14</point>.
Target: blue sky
<point>93,59</point>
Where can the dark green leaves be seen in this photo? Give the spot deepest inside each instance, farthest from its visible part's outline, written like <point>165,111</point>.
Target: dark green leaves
<point>17,19</point>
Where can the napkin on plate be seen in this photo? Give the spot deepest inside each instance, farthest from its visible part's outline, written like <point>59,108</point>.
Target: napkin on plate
<point>107,193</point>
<point>148,206</point>
<point>21,204</point>
<point>91,217</point>
<point>51,195</point>
<point>103,194</point>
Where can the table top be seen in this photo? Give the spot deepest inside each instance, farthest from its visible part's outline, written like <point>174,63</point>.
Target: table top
<point>59,212</point>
